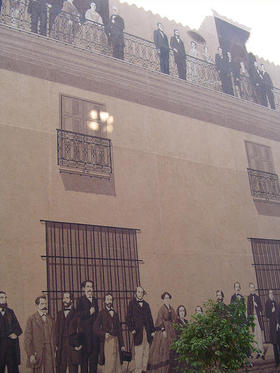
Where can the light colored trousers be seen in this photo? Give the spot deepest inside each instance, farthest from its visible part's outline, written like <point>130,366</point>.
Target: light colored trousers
<point>112,356</point>
<point>142,354</point>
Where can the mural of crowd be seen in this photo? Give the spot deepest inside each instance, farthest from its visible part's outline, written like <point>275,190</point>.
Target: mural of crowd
<point>84,336</point>
<point>69,22</point>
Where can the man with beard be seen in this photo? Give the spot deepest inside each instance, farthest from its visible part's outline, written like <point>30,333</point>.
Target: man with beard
<point>237,296</point>
<point>140,323</point>
<point>10,330</point>
<point>107,326</point>
<point>39,339</point>
<point>254,308</point>
<point>62,331</point>
<point>87,308</point>
<point>220,296</point>
<point>178,48</point>
<point>272,313</point>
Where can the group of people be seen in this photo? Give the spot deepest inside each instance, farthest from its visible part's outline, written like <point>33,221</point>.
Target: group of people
<point>67,24</point>
<point>85,336</point>
<point>230,71</point>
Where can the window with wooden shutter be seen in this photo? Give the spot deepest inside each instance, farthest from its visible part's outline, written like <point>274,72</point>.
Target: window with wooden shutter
<point>259,157</point>
<point>76,116</point>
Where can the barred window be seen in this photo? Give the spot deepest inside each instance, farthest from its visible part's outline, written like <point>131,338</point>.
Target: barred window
<point>106,255</point>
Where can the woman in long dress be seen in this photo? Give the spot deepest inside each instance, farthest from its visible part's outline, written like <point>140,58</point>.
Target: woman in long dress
<point>92,32</point>
<point>164,335</point>
<point>174,365</point>
<point>67,23</point>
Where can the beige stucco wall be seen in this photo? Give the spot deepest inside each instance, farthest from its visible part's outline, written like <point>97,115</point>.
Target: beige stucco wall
<point>183,182</point>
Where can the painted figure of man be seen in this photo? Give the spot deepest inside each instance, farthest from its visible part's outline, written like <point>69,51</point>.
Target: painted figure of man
<point>64,351</point>
<point>87,308</point>
<point>38,13</point>
<point>268,87</point>
<point>272,313</point>
<point>107,326</point>
<point>39,339</point>
<point>223,68</point>
<point>220,296</point>
<point>178,48</point>
<point>140,323</point>
<point>10,330</point>
<point>115,34</point>
<point>237,295</point>
<point>254,308</point>
<point>162,46</point>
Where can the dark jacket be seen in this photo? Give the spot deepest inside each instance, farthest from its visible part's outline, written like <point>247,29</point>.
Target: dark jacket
<point>138,318</point>
<point>87,321</point>
<point>8,325</point>
<point>273,318</point>
<point>115,30</point>
<point>160,39</point>
<point>235,297</point>
<point>180,55</point>
<point>267,81</point>
<point>62,333</point>
<point>105,323</point>
<point>258,309</point>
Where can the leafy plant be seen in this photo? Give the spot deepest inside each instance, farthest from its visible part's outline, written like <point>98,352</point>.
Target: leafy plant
<point>219,340</point>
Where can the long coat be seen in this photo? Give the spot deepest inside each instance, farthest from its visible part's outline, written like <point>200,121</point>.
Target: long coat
<point>180,55</point>
<point>273,318</point>
<point>34,338</point>
<point>8,325</point>
<point>137,319</point>
<point>105,323</point>
<point>258,309</point>
<point>62,329</point>
<point>87,320</point>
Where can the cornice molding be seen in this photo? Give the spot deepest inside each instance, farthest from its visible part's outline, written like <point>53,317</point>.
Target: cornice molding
<point>54,61</point>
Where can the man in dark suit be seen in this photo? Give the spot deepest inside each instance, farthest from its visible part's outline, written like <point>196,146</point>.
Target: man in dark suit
<point>267,87</point>
<point>162,46</point>
<point>38,12</point>
<point>10,330</point>
<point>115,34</point>
<point>107,326</point>
<point>254,308</point>
<point>224,70</point>
<point>237,296</point>
<point>272,313</point>
<point>87,308</point>
<point>39,339</point>
<point>62,333</point>
<point>140,323</point>
<point>178,48</point>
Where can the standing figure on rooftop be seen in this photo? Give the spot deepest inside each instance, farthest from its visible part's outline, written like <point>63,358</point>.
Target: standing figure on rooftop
<point>10,330</point>
<point>39,339</point>
<point>92,15</point>
<point>67,23</point>
<point>223,69</point>
<point>178,48</point>
<point>194,65</point>
<point>164,336</point>
<point>267,87</point>
<point>162,47</point>
<point>38,13</point>
<point>115,34</point>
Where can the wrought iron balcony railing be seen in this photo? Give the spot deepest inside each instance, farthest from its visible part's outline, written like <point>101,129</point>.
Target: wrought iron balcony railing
<point>264,185</point>
<point>75,30</point>
<point>84,154</point>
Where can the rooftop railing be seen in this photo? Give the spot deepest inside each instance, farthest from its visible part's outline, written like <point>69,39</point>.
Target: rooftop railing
<point>75,30</point>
